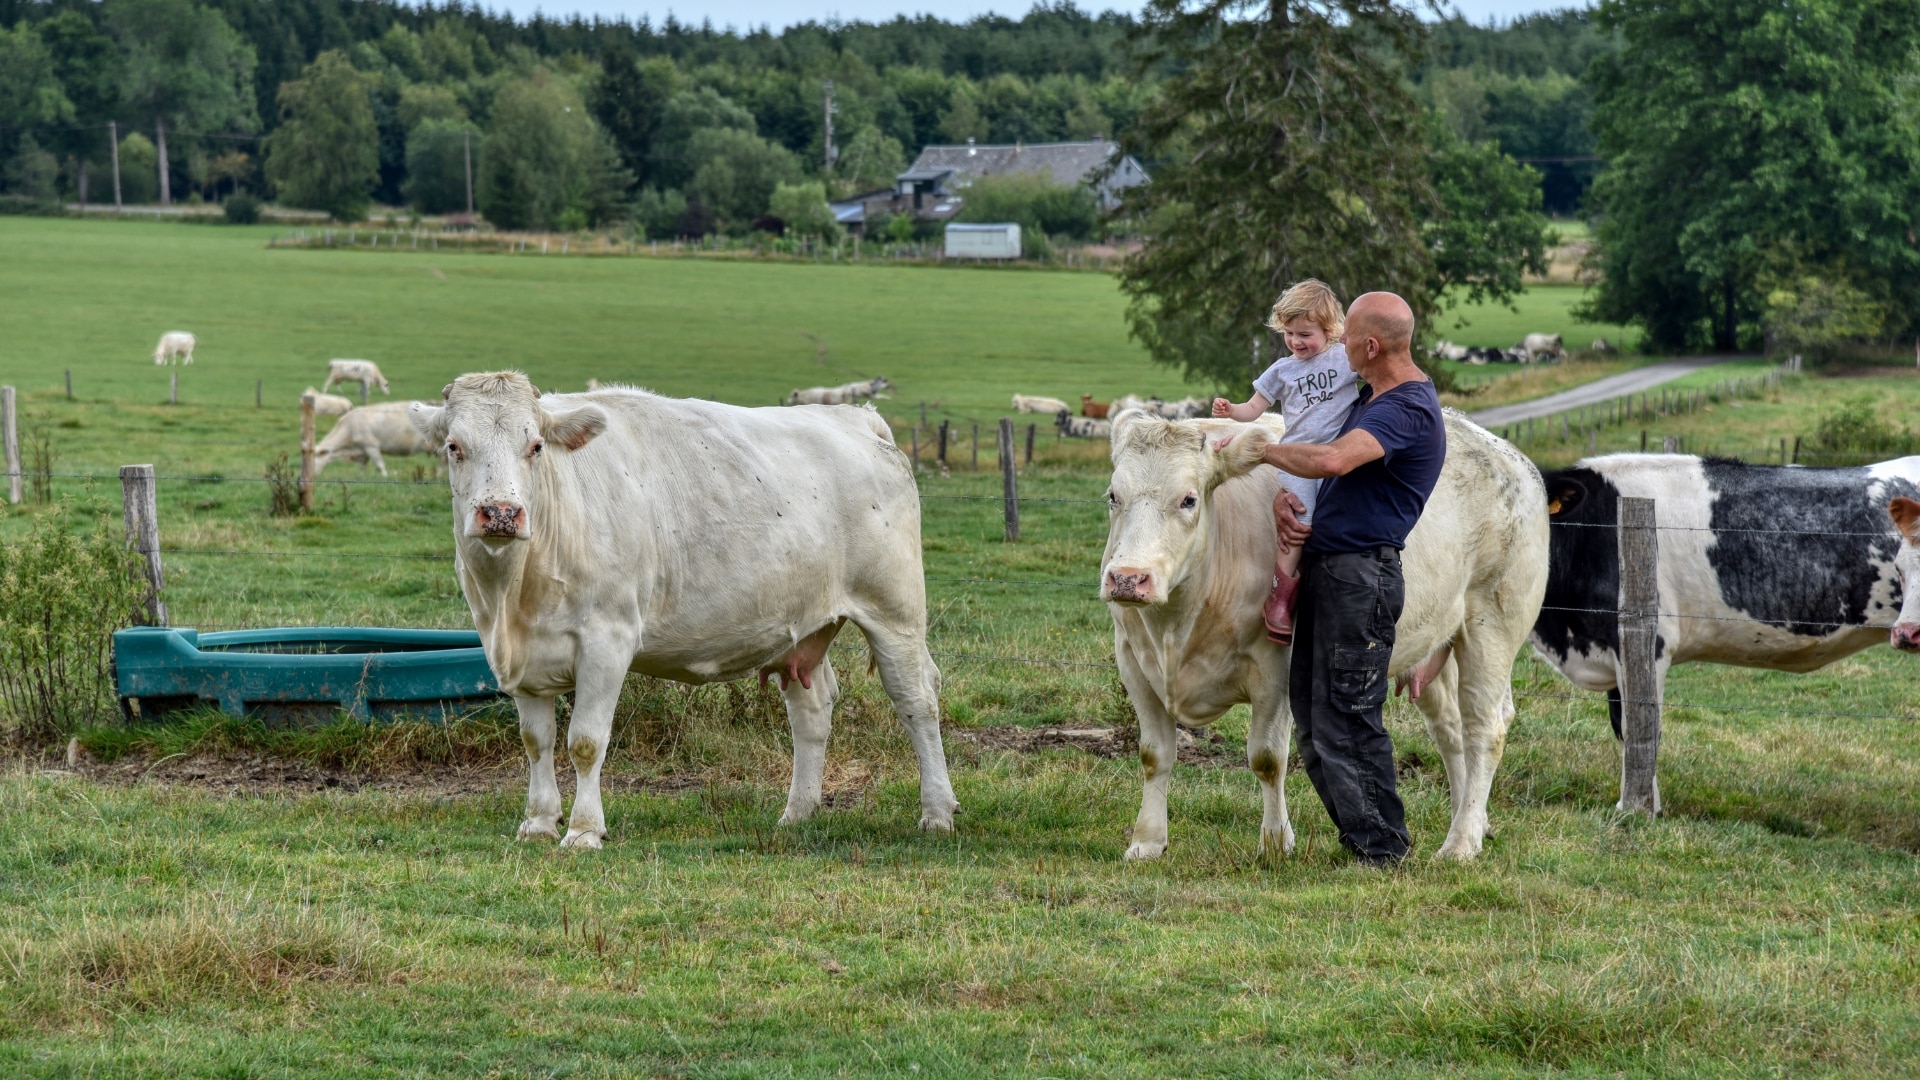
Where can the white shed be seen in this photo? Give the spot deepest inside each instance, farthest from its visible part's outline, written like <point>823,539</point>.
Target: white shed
<point>983,241</point>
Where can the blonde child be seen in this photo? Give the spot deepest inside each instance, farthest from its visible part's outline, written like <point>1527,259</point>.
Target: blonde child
<point>1315,389</point>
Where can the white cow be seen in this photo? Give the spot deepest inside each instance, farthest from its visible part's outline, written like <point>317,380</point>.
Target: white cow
<point>1447,350</point>
<point>1192,537</point>
<point>328,404</point>
<point>1034,403</point>
<point>367,434</point>
<point>844,394</point>
<point>1539,345</point>
<point>1081,427</point>
<point>364,372</point>
<point>174,344</point>
<point>615,531</point>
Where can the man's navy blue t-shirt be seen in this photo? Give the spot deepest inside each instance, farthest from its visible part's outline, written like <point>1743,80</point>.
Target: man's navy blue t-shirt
<point>1377,504</point>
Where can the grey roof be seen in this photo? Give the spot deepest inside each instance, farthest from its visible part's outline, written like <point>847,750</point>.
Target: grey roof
<point>1067,163</point>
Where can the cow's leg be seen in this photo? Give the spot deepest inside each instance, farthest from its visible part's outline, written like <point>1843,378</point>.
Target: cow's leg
<point>327,387</point>
<point>1484,681</point>
<point>543,792</point>
<point>378,462</point>
<point>1158,747</point>
<point>596,690</point>
<point>810,716</point>
<point>913,682</point>
<point>1269,733</point>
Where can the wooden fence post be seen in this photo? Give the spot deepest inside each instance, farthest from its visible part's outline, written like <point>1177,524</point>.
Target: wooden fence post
<point>257,385</point>
<point>10,435</point>
<point>1009,479</point>
<point>1030,430</point>
<point>1639,687</point>
<point>139,501</point>
<point>69,384</point>
<point>173,389</point>
<point>941,455</point>
<point>976,448</point>
<point>306,453</point>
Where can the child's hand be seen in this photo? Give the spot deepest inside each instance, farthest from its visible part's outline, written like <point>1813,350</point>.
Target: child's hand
<point>1222,407</point>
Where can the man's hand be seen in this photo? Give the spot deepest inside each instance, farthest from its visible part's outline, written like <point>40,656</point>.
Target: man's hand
<point>1286,507</point>
<point>1222,407</point>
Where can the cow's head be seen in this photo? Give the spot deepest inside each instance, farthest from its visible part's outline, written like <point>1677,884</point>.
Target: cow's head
<point>498,441</point>
<point>1905,513</point>
<point>1164,473</point>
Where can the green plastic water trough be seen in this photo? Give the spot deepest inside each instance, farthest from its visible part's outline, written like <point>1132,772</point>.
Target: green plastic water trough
<point>303,674</point>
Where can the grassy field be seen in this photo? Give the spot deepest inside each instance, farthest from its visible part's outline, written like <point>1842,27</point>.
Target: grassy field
<point>219,900</point>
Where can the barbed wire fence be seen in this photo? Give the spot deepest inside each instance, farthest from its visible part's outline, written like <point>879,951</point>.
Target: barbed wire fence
<point>1636,619</point>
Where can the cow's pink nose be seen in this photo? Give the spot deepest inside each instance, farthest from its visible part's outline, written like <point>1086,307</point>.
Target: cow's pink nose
<point>499,519</point>
<point>1128,583</point>
<point>1906,637</point>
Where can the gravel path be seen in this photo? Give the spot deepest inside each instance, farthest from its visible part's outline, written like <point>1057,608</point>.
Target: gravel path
<point>1613,386</point>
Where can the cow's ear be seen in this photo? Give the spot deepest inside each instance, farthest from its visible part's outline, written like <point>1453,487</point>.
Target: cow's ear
<point>1905,513</point>
<point>573,428</point>
<point>1563,494</point>
<point>1117,430</point>
<point>1236,451</point>
<point>429,420</point>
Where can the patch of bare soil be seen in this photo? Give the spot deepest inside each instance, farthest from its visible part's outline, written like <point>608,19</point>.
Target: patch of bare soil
<point>1206,748</point>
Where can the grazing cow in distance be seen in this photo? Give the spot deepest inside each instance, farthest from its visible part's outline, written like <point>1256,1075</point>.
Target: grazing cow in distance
<point>174,344</point>
<point>328,404</point>
<point>1034,403</point>
<point>1186,408</point>
<point>364,372</point>
<point>1539,345</point>
<point>615,531</point>
<point>1447,350</point>
<point>1602,346</point>
<point>1765,566</point>
<point>845,394</point>
<point>369,433</point>
<point>1517,355</point>
<point>1477,355</point>
<point>1080,427</point>
<point>1189,562</point>
<point>1091,408</point>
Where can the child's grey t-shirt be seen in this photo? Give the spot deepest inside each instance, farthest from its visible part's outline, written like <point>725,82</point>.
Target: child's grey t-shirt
<point>1315,395</point>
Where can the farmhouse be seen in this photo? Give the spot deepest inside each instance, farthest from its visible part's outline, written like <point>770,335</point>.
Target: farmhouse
<point>932,189</point>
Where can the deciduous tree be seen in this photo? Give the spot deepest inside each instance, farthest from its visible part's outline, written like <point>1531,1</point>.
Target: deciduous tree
<point>326,153</point>
<point>185,69</point>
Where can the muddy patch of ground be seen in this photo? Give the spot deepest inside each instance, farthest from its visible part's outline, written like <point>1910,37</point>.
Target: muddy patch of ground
<point>1207,748</point>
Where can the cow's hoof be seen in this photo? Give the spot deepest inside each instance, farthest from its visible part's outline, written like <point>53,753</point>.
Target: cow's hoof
<point>1276,843</point>
<point>1463,850</point>
<point>536,829</point>
<point>940,823</point>
<point>582,838</point>
<point>1141,849</point>
<point>794,816</point>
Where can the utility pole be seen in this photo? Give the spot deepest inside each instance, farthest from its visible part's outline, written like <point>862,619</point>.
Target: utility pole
<point>166,189</point>
<point>832,155</point>
<point>467,142</point>
<point>113,134</point>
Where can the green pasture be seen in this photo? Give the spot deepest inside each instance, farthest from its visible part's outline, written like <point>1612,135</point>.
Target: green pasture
<point>1542,309</point>
<point>377,919</point>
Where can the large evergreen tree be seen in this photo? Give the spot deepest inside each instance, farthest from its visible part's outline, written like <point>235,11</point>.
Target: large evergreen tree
<point>1290,148</point>
<point>1751,141</point>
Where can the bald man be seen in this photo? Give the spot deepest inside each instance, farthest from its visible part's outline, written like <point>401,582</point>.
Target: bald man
<point>1379,473</point>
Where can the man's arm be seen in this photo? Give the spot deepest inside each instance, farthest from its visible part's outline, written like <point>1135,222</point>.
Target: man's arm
<point>1317,460</point>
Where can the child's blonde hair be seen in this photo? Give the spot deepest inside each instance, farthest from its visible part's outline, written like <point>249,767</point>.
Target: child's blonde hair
<point>1312,299</point>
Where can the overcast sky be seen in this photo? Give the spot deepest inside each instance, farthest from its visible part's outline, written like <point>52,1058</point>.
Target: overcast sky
<point>743,14</point>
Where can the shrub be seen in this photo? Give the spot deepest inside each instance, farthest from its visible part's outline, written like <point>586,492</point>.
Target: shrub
<point>61,599</point>
<point>658,212</point>
<point>1856,429</point>
<point>242,209</point>
<point>283,488</point>
<point>139,176</point>
<point>804,210</point>
<point>1817,316</point>
<point>1036,203</point>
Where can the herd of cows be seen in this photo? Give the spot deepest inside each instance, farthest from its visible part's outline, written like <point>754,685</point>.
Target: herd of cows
<point>1532,349</point>
<point>619,530</point>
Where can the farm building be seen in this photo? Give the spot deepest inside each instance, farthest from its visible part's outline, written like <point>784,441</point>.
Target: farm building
<point>932,189</point>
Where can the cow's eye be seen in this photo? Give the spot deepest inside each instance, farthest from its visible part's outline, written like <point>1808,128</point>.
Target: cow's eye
<point>453,449</point>
<point>534,450</point>
<point>1112,499</point>
<point>1190,501</point>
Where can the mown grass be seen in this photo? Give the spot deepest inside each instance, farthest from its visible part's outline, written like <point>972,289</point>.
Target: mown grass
<point>1763,927</point>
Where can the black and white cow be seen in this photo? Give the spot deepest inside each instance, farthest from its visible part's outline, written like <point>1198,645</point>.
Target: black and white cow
<point>1762,566</point>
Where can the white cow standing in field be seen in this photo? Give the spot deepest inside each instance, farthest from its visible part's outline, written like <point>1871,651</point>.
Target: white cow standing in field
<point>615,531</point>
<point>367,434</point>
<point>1189,561</point>
<point>1539,345</point>
<point>328,404</point>
<point>174,344</point>
<point>364,372</point>
<point>1034,403</point>
<point>845,394</point>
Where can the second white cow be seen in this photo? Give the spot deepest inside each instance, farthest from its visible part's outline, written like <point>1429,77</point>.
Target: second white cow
<point>364,372</point>
<point>328,404</point>
<point>1036,403</point>
<point>174,344</point>
<point>1191,533</point>
<point>368,434</point>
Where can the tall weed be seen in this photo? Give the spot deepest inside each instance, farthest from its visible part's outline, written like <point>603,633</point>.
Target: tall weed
<point>61,599</point>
